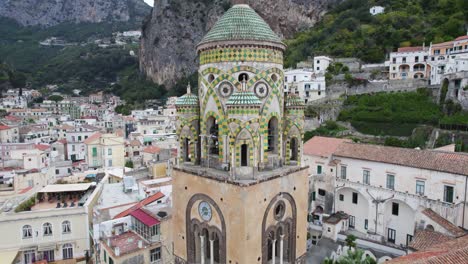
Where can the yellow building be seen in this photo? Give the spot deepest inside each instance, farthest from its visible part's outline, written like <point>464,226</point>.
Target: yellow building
<point>105,150</point>
<point>241,192</point>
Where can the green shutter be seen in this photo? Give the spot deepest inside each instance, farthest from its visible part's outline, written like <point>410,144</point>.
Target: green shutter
<point>94,152</point>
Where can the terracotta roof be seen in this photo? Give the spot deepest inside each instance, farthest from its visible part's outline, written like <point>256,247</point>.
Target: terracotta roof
<point>152,149</point>
<point>92,138</point>
<point>454,251</point>
<point>90,127</point>
<point>446,224</point>
<point>462,37</point>
<point>410,49</point>
<point>41,147</point>
<point>66,127</point>
<point>119,132</point>
<point>135,143</point>
<point>144,217</point>
<point>443,44</point>
<point>322,146</point>
<point>425,239</point>
<point>4,127</point>
<point>63,141</point>
<point>450,162</point>
<point>126,242</point>
<point>144,202</point>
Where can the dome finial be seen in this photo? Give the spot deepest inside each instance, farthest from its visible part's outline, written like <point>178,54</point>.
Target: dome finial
<point>189,90</point>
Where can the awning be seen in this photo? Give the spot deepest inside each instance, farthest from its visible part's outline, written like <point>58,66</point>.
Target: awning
<point>8,257</point>
<point>145,218</point>
<point>56,188</point>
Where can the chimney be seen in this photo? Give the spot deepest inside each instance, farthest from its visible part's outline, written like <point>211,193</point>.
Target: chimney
<point>117,251</point>
<point>140,244</point>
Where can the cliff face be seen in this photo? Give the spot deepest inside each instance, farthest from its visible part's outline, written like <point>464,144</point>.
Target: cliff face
<point>52,12</point>
<point>175,27</point>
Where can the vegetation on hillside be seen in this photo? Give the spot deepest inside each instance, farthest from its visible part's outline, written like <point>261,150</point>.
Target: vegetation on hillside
<point>87,67</point>
<point>349,30</point>
<point>390,113</point>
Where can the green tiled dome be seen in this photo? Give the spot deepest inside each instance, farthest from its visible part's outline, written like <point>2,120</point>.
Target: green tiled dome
<point>243,98</point>
<point>241,23</point>
<point>294,100</point>
<point>188,99</point>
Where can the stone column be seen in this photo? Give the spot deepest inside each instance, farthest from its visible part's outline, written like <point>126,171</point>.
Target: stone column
<point>273,253</point>
<point>211,251</point>
<point>202,248</point>
<point>281,249</point>
<point>225,148</point>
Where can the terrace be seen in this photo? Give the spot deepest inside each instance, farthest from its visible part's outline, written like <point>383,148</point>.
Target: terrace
<point>62,196</point>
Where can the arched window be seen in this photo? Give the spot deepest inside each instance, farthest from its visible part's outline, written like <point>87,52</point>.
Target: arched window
<point>27,231</point>
<point>244,155</point>
<point>212,135</point>
<point>66,227</point>
<point>243,77</point>
<point>274,77</point>
<point>186,152</point>
<point>294,149</point>
<point>211,78</point>
<point>47,229</point>
<point>272,134</point>
<point>67,251</point>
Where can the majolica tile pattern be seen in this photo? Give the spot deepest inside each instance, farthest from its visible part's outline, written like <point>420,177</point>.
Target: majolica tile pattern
<point>241,54</point>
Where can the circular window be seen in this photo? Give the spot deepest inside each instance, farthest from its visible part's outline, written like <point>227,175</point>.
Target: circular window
<point>280,209</point>
<point>226,89</point>
<point>261,89</point>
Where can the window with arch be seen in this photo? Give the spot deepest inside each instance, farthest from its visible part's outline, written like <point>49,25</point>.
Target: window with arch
<point>243,77</point>
<point>27,231</point>
<point>294,149</point>
<point>212,135</point>
<point>211,78</point>
<point>47,229</point>
<point>272,134</point>
<point>67,251</point>
<point>66,227</point>
<point>244,155</point>
<point>186,149</point>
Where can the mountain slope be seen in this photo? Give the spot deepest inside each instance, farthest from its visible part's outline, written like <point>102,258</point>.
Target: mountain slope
<point>169,38</point>
<point>349,30</point>
<point>52,12</point>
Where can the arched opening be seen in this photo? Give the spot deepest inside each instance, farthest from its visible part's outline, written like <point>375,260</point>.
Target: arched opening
<point>419,67</point>
<point>271,238</point>
<point>243,77</point>
<point>418,76</point>
<point>294,149</point>
<point>244,155</point>
<point>273,135</point>
<point>186,150</point>
<point>212,136</point>
<point>211,78</point>
<point>274,77</point>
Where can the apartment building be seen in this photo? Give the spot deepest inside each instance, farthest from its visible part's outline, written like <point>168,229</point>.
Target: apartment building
<point>389,192</point>
<point>105,150</point>
<point>306,84</point>
<point>49,225</point>
<point>9,134</point>
<point>409,63</point>
<point>76,148</point>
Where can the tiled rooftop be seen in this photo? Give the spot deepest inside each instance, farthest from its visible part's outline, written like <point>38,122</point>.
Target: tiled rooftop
<point>447,225</point>
<point>454,251</point>
<point>425,239</point>
<point>126,242</point>
<point>456,163</point>
<point>322,146</point>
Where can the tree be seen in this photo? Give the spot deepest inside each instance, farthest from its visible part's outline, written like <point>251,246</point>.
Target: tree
<point>129,164</point>
<point>353,257</point>
<point>55,98</point>
<point>351,241</point>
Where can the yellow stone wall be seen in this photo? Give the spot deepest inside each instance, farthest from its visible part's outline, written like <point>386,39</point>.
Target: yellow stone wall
<point>243,209</point>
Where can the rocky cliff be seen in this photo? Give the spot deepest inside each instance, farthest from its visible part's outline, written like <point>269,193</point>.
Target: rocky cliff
<point>176,26</point>
<point>52,12</point>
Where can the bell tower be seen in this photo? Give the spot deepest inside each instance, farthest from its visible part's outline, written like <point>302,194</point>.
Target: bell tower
<point>240,193</point>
